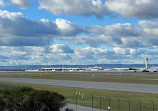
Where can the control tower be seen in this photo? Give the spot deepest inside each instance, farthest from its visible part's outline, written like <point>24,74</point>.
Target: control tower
<point>146,63</point>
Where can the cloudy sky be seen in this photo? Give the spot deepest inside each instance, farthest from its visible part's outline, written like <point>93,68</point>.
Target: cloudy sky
<point>51,32</point>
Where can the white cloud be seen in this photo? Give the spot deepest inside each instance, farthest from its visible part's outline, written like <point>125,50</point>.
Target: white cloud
<point>112,35</point>
<point>20,3</point>
<point>60,48</point>
<point>119,35</point>
<point>32,55</point>
<point>91,53</point>
<point>88,55</point>
<point>127,8</point>
<point>99,8</point>
<point>67,28</point>
<point>25,41</point>
<point>115,55</point>
<point>93,41</point>
<point>16,24</point>
<point>125,51</point>
<point>143,34</point>
<point>150,28</point>
<point>16,29</point>
<point>134,8</point>
<point>2,3</point>
<point>117,30</point>
<point>75,7</point>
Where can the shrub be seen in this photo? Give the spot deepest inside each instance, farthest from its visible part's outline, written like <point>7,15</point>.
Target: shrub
<point>28,99</point>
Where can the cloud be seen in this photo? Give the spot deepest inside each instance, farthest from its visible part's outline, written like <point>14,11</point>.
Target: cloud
<point>128,8</point>
<point>25,41</point>
<point>34,55</point>
<point>149,27</point>
<point>16,29</point>
<point>23,4</point>
<point>75,7</point>
<point>2,3</point>
<point>143,34</point>
<point>115,55</point>
<point>3,58</point>
<point>134,8</point>
<point>116,35</point>
<point>60,48</point>
<point>16,24</point>
<point>89,55</point>
<point>117,30</point>
<point>94,41</point>
<point>67,28</point>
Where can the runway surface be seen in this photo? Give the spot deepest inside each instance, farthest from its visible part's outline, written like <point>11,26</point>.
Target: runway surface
<point>144,88</point>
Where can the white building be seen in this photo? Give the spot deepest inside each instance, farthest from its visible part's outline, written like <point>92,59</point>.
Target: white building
<point>62,69</point>
<point>95,68</point>
<point>153,69</point>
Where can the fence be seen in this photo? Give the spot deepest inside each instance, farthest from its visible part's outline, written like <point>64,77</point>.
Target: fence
<point>113,104</point>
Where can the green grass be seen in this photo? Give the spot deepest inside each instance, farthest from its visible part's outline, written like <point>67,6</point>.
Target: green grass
<point>138,79</point>
<point>70,94</point>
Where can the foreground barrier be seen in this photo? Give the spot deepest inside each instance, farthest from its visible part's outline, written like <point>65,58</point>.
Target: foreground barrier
<point>113,104</point>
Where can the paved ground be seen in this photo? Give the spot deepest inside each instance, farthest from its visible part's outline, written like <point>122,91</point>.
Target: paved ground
<point>145,88</point>
<point>80,108</point>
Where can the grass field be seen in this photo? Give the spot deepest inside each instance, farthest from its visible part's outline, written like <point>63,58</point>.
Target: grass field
<point>70,94</point>
<point>119,101</point>
<point>98,77</point>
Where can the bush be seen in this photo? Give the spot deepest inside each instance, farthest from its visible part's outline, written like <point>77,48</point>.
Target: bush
<point>28,99</point>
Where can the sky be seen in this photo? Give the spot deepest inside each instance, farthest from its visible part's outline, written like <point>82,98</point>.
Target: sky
<point>78,32</point>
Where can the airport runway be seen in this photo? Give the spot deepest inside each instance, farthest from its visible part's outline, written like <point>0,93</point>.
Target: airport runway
<point>144,88</point>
